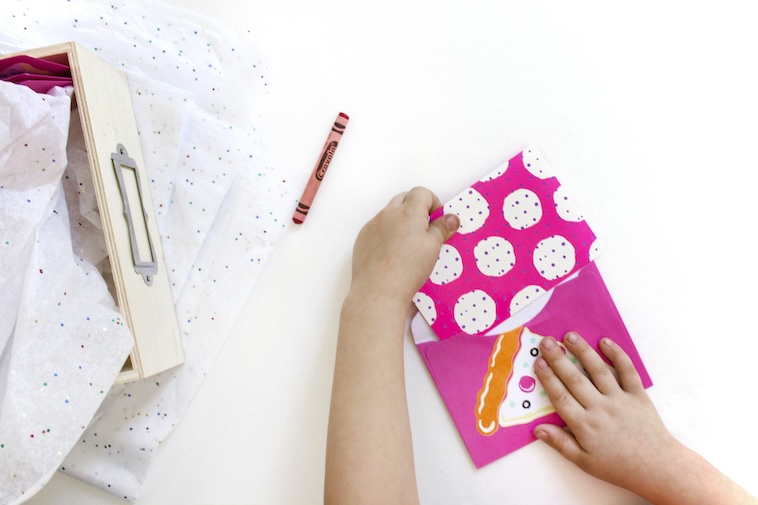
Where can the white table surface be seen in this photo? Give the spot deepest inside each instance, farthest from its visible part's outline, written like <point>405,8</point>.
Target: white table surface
<point>647,112</point>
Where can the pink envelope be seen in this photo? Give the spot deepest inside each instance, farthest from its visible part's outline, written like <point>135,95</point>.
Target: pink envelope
<point>459,365</point>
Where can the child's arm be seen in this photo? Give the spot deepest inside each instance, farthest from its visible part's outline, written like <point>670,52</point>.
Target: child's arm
<point>616,434</point>
<point>369,455</point>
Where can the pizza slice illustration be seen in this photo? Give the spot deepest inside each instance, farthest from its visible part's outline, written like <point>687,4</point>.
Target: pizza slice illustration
<point>511,394</point>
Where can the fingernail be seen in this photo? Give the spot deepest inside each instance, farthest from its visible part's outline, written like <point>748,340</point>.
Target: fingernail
<point>540,363</point>
<point>541,434</point>
<point>572,338</point>
<point>452,221</point>
<point>607,342</point>
<point>548,343</point>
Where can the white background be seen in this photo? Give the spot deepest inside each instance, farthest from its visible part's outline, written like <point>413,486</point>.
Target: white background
<point>647,113</point>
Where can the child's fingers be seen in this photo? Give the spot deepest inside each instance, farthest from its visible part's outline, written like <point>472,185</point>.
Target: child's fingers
<point>560,440</point>
<point>447,225</point>
<point>575,382</point>
<point>423,197</point>
<point>562,399</point>
<point>628,375</point>
<point>601,375</point>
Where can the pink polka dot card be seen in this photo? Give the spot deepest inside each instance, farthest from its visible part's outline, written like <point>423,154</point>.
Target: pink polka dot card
<point>520,236</point>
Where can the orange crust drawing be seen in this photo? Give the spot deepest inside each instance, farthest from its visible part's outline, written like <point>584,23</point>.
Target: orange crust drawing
<point>493,386</point>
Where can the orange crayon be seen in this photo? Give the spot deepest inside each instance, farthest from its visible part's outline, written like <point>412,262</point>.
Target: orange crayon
<point>319,171</point>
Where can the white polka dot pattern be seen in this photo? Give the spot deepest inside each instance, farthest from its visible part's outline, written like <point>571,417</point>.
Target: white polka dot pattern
<point>472,209</point>
<point>522,209</point>
<point>448,267</point>
<point>426,307</point>
<point>524,297</point>
<point>520,235</point>
<point>494,256</point>
<point>565,207</point>
<point>475,312</point>
<point>554,257</point>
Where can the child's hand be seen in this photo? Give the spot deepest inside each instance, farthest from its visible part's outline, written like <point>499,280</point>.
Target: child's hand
<point>615,432</point>
<point>395,252</point>
<point>369,454</point>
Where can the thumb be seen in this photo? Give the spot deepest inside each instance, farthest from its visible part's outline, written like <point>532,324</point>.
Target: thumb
<point>560,440</point>
<point>447,225</point>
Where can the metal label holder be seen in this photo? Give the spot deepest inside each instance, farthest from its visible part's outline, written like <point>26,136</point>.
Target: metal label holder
<point>146,267</point>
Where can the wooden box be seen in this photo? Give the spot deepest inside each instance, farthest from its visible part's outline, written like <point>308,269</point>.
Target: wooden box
<point>140,281</point>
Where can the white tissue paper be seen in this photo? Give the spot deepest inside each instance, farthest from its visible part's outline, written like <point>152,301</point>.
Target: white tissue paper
<point>63,339</point>
<point>197,89</point>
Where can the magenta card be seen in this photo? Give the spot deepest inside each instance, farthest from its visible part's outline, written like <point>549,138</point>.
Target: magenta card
<point>520,235</point>
<point>488,383</point>
<point>37,74</point>
<point>23,64</point>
